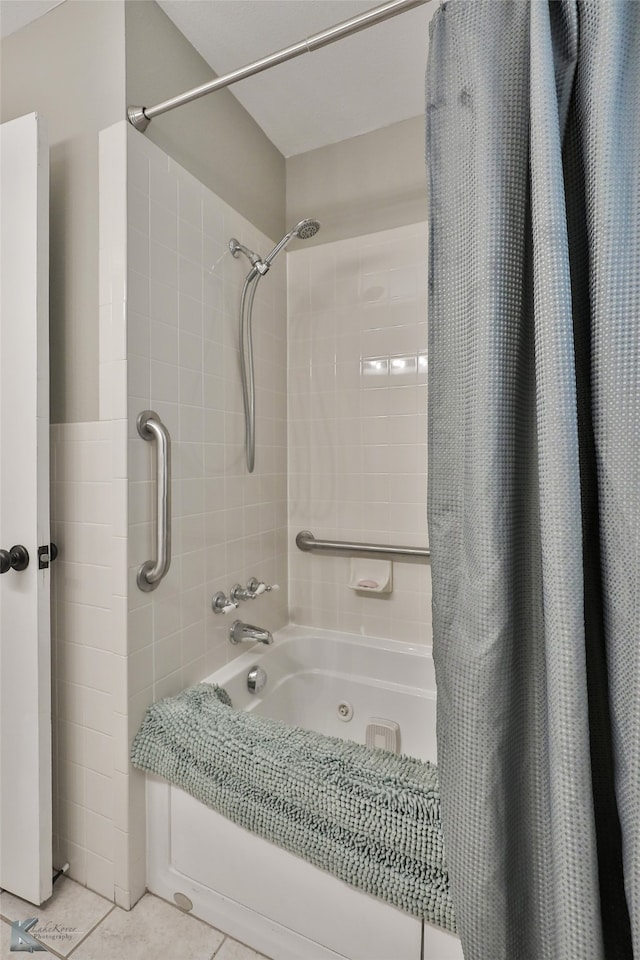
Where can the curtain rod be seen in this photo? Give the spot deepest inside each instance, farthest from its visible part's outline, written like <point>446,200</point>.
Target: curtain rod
<point>140,117</point>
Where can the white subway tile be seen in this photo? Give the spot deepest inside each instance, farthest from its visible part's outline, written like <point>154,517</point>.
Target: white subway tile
<point>163,302</point>
<point>118,497</point>
<point>140,627</point>
<point>138,209</point>
<point>163,264</point>
<point>98,711</point>
<point>139,381</point>
<point>138,170</point>
<point>168,686</point>
<point>190,203</point>
<point>213,215</point>
<point>100,872</point>
<point>191,424</point>
<point>191,351</point>
<point>86,583</point>
<point>190,241</point>
<point>98,796</point>
<point>190,315</point>
<point>403,283</point>
<point>140,669</point>
<point>137,334</point>
<point>163,225</point>
<point>165,381</point>
<point>163,187</point>
<point>190,278</point>
<point>138,251</point>
<point>99,834</point>
<point>163,342</point>
<point>138,293</point>
<point>99,752</point>
<point>167,655</point>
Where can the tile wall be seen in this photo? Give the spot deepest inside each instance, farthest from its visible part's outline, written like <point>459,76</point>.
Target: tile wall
<point>352,457</point>
<point>86,652</point>
<point>183,301</point>
<point>183,296</point>
<point>357,425</point>
<point>169,296</point>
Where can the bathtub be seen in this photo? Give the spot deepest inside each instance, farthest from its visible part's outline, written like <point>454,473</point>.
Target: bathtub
<point>264,896</point>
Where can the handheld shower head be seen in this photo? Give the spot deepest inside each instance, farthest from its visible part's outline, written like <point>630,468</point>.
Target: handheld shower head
<point>305,229</point>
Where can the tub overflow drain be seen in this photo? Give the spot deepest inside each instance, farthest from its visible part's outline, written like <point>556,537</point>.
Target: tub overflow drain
<point>345,711</point>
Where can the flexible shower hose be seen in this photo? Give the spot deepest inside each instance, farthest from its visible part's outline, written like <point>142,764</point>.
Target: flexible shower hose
<point>246,366</point>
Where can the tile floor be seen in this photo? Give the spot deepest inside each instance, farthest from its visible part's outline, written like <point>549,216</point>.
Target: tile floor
<point>79,924</point>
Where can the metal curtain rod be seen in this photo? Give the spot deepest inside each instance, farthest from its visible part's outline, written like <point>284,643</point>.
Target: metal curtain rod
<point>141,116</point>
<point>307,542</point>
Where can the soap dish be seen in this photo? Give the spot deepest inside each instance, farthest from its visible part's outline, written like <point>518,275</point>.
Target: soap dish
<point>371,576</point>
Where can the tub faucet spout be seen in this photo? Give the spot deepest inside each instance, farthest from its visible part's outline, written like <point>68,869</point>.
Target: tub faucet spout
<point>246,633</point>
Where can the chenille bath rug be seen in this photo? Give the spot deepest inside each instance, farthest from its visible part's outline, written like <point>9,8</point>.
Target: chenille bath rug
<point>367,816</point>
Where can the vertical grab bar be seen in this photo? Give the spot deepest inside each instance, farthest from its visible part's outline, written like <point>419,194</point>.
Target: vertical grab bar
<point>151,427</point>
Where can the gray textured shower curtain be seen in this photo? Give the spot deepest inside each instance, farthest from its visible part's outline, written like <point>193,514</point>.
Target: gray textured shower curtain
<point>533,136</point>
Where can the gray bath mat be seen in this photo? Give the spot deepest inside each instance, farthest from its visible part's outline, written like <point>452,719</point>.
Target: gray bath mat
<point>369,817</point>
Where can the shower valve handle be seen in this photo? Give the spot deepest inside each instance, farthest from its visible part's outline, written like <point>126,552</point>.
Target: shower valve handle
<point>257,587</point>
<point>222,604</point>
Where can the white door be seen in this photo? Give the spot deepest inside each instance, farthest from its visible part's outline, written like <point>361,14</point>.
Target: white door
<point>25,643</point>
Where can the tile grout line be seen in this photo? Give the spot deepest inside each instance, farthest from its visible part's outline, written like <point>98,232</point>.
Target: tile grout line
<point>92,930</point>
<point>219,947</point>
<point>61,956</point>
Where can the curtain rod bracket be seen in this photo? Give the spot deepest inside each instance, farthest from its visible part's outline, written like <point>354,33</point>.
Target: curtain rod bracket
<point>138,118</point>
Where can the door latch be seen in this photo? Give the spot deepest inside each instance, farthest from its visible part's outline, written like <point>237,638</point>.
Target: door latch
<point>46,555</point>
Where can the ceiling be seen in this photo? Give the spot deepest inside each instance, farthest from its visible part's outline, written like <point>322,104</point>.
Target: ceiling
<point>15,14</point>
<point>361,83</point>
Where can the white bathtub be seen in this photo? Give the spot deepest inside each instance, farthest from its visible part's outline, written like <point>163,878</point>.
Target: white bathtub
<point>260,894</point>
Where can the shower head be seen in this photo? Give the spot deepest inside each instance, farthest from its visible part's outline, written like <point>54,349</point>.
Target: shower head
<point>305,229</point>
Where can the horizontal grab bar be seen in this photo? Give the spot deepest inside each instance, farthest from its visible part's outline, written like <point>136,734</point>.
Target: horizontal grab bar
<point>151,427</point>
<point>307,542</point>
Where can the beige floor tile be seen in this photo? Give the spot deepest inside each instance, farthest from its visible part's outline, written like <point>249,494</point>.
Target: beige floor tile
<point>232,950</point>
<point>153,929</point>
<point>63,920</point>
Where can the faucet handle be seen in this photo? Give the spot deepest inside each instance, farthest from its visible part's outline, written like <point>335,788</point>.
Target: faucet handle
<point>257,587</point>
<point>223,604</point>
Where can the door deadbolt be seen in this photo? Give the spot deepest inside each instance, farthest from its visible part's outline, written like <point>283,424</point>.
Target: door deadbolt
<point>17,558</point>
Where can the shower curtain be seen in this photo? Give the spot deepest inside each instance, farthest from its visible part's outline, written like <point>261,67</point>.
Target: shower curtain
<point>533,141</point>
